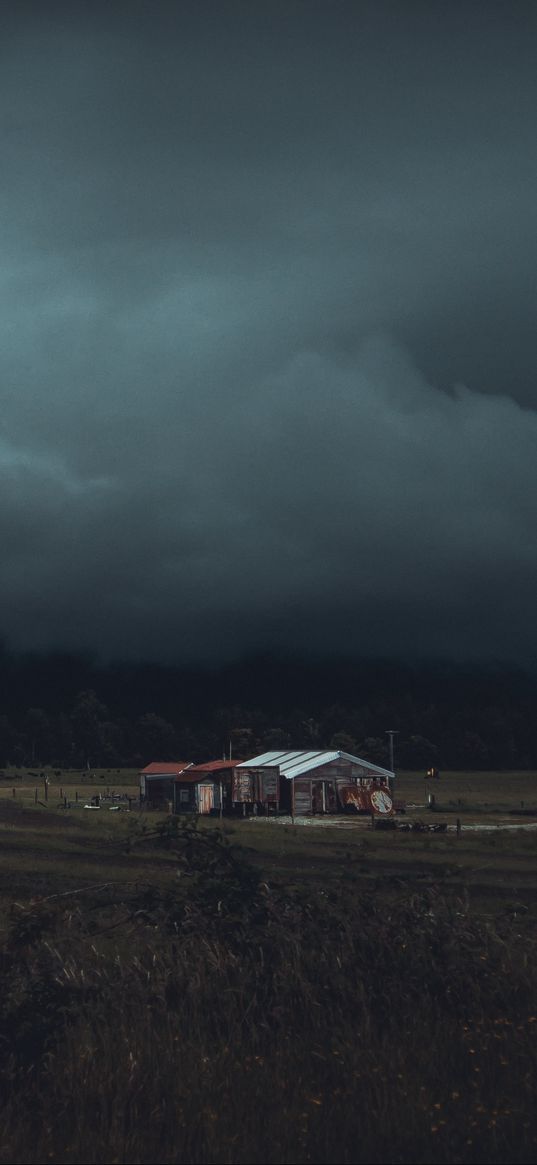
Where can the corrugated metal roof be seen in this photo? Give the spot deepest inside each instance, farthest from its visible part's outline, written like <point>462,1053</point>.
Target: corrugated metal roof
<point>213,766</point>
<point>299,761</point>
<point>189,777</point>
<point>367,764</point>
<point>287,756</point>
<point>160,768</point>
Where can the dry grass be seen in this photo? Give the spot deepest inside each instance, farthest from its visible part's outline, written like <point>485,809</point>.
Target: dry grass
<point>485,792</point>
<point>204,1016</point>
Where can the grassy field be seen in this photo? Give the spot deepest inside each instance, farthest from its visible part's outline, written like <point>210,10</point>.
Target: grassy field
<point>493,792</point>
<point>269,992</point>
<point>45,846</point>
<point>83,779</point>
<point>483,791</point>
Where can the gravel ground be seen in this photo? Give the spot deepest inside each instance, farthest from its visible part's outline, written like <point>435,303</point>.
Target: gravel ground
<point>340,822</point>
<point>364,823</point>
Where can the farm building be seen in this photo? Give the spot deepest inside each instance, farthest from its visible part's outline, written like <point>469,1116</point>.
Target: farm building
<point>157,782</point>
<point>301,783</point>
<point>202,788</point>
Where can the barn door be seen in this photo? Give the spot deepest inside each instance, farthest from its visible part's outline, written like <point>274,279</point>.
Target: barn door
<point>330,800</point>
<point>206,798</point>
<point>317,796</point>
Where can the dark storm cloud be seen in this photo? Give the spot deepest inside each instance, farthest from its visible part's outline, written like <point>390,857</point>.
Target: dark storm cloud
<point>268,327</point>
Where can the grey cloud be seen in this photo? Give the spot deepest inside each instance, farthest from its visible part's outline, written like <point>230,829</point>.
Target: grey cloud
<point>267,348</point>
<point>334,491</point>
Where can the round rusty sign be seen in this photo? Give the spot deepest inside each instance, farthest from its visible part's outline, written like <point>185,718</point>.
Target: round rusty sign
<point>381,801</point>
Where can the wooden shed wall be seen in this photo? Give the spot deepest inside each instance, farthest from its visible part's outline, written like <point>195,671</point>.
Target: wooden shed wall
<point>197,797</point>
<point>159,790</point>
<point>251,785</point>
<point>334,775</point>
<point>265,786</point>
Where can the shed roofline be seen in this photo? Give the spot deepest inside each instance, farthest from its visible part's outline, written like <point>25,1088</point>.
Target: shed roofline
<point>370,765</point>
<point>299,761</point>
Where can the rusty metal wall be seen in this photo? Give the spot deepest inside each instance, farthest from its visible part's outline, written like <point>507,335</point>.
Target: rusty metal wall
<point>268,788</point>
<point>262,784</point>
<point>242,786</point>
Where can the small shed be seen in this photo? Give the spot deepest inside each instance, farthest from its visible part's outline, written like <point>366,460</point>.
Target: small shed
<point>204,788</point>
<point>157,782</point>
<point>303,782</point>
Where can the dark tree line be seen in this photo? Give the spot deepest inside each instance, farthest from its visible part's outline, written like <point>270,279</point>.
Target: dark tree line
<point>70,711</point>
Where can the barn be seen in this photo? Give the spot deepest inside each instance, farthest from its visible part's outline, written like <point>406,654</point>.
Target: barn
<point>157,782</point>
<point>204,788</point>
<point>304,782</point>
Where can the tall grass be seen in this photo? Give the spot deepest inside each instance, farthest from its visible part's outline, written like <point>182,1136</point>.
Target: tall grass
<point>220,1021</point>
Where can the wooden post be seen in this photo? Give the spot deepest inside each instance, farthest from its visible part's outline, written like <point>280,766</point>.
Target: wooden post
<point>76,794</point>
<point>293,800</point>
<point>35,796</point>
<point>14,791</point>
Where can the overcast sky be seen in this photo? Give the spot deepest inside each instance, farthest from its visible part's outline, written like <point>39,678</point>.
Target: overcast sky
<point>268,331</point>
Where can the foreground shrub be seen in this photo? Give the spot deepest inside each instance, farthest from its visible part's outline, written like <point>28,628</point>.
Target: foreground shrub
<point>221,1021</point>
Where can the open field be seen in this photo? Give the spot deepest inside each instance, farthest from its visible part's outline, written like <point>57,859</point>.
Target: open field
<point>270,992</point>
<point>486,792</point>
<point>44,850</point>
<point>84,779</point>
<point>457,792</point>
<point>45,846</point>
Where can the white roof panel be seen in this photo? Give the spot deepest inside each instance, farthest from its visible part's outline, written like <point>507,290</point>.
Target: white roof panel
<point>298,761</point>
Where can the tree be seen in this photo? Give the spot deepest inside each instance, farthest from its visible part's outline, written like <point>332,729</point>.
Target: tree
<point>418,753</point>
<point>276,739</point>
<point>62,752</point>
<point>374,749</point>
<point>86,718</point>
<point>310,730</point>
<point>244,743</point>
<point>156,737</point>
<point>344,743</point>
<point>37,734</point>
<point>111,743</point>
<point>474,751</point>
<point>8,740</point>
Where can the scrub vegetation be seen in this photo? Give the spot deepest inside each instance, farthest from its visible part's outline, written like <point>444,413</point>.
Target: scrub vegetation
<point>69,712</point>
<point>175,993</point>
